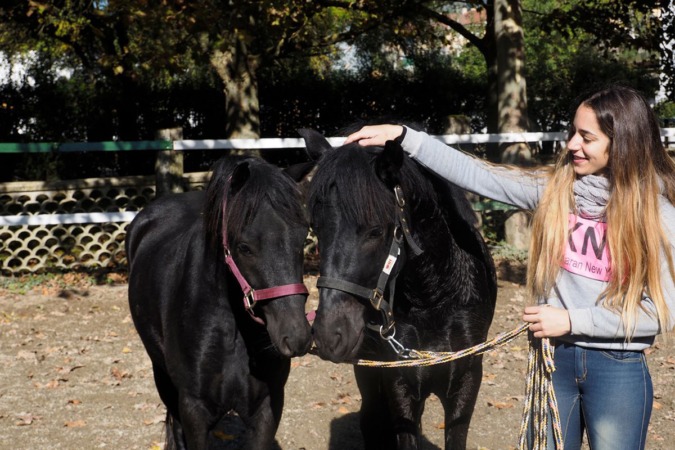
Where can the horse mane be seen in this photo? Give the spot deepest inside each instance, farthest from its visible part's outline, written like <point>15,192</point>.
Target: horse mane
<point>266,183</point>
<point>363,199</point>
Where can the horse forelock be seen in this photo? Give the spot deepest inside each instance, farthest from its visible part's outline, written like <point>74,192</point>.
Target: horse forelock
<point>347,173</point>
<point>266,184</point>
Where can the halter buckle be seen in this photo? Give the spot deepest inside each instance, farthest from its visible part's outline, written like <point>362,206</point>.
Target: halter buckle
<point>249,300</point>
<point>376,298</point>
<point>400,200</point>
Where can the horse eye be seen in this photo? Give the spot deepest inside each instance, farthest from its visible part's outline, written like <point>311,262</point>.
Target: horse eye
<point>375,232</point>
<point>244,249</point>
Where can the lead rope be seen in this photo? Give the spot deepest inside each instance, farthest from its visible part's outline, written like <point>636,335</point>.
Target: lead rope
<point>539,395</point>
<point>539,388</point>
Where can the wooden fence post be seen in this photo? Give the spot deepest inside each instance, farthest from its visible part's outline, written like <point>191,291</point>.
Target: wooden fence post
<point>169,164</point>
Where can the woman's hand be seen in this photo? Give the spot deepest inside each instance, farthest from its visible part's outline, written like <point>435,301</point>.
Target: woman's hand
<point>547,321</point>
<point>375,134</point>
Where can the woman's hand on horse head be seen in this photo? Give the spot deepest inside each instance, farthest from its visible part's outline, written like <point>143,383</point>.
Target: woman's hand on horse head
<point>547,321</point>
<point>375,135</point>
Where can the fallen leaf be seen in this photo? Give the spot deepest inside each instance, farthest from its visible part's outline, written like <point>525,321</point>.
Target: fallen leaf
<point>75,424</point>
<point>155,420</point>
<point>224,436</point>
<point>25,419</point>
<point>53,384</point>
<point>66,369</point>
<point>146,406</point>
<point>440,426</point>
<point>119,374</point>
<point>343,398</point>
<point>27,356</point>
<point>500,405</point>
<point>343,410</point>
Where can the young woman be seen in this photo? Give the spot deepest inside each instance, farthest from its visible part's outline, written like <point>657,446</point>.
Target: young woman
<point>600,268</point>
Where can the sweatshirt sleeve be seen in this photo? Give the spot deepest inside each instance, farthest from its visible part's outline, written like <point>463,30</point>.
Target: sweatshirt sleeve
<point>512,186</point>
<point>601,323</point>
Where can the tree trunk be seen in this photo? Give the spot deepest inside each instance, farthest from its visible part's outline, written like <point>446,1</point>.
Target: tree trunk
<point>237,68</point>
<point>511,85</point>
<point>489,51</point>
<point>169,164</point>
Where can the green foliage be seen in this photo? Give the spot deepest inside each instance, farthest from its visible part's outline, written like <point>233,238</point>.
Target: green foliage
<point>140,66</point>
<point>57,281</point>
<point>574,47</point>
<point>505,251</point>
<point>666,113</point>
<point>434,90</point>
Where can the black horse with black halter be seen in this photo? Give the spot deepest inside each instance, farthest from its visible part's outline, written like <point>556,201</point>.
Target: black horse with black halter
<point>381,298</point>
<point>370,239</point>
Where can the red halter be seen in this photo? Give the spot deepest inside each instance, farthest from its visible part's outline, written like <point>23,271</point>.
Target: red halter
<point>252,295</point>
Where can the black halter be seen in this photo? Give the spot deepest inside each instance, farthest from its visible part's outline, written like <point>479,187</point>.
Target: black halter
<point>390,270</point>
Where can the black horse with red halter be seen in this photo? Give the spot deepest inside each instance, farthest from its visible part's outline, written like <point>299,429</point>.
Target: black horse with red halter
<point>251,296</point>
<point>208,356</point>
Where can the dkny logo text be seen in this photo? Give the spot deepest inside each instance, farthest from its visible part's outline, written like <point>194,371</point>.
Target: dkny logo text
<point>587,253</point>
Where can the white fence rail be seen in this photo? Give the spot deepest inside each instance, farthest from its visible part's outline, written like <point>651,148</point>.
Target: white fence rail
<point>668,135</point>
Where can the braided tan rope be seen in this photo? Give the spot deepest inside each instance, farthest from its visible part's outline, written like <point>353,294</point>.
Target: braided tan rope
<point>539,396</point>
<point>427,358</point>
<point>539,388</point>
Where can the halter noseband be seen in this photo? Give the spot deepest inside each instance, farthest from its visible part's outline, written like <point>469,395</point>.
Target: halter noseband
<point>387,278</point>
<point>254,295</point>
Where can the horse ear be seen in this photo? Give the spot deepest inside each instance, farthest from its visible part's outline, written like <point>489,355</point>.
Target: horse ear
<point>240,176</point>
<point>388,164</point>
<point>315,143</point>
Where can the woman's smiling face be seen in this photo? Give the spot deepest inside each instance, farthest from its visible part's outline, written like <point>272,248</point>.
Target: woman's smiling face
<point>589,146</point>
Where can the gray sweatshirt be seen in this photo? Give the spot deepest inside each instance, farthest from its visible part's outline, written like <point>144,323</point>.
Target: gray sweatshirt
<point>584,274</point>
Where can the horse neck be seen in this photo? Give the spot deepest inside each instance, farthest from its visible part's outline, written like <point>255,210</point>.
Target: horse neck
<point>443,265</point>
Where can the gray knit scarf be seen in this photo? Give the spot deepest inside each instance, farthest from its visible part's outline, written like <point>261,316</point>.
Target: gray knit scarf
<point>591,193</point>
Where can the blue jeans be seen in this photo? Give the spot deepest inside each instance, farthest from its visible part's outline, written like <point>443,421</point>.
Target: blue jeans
<point>608,393</point>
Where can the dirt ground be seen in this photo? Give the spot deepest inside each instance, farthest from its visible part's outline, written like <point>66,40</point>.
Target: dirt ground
<point>74,375</point>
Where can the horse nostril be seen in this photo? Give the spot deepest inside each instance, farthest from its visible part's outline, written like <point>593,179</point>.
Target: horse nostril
<point>285,347</point>
<point>337,341</point>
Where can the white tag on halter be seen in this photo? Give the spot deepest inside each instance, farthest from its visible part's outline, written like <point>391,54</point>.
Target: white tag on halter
<point>389,264</point>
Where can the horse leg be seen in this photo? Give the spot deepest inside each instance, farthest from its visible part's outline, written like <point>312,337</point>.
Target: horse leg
<point>459,402</point>
<point>261,427</point>
<point>174,434</point>
<point>406,405</point>
<point>376,427</point>
<point>195,422</point>
<point>169,395</point>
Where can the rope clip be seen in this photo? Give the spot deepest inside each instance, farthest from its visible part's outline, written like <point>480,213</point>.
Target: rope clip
<point>400,350</point>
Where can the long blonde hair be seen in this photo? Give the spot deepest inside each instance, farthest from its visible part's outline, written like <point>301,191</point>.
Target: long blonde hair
<point>639,169</point>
